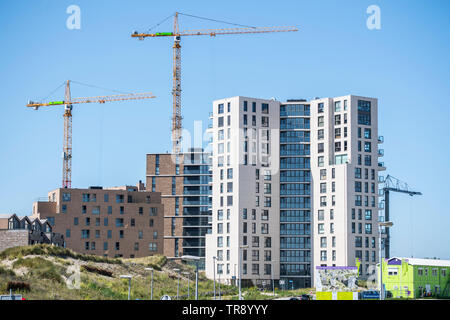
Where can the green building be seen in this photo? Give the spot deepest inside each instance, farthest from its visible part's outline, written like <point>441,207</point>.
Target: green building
<point>415,278</point>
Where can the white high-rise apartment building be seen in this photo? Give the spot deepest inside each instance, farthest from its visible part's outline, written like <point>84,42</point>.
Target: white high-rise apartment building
<point>295,186</point>
<point>245,188</point>
<point>344,169</point>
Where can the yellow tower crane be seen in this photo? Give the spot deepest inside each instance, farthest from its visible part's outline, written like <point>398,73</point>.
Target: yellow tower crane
<point>67,103</point>
<point>176,91</point>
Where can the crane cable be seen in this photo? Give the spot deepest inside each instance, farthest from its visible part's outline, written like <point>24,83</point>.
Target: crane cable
<point>230,23</point>
<point>51,93</point>
<point>97,87</point>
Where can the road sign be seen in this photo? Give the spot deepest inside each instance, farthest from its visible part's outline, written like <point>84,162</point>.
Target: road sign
<point>166,297</point>
<point>281,282</point>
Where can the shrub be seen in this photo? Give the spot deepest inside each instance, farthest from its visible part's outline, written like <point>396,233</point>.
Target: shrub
<point>18,285</point>
<point>6,272</point>
<point>39,267</point>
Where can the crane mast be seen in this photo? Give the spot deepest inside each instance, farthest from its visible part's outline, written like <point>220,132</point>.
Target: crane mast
<point>67,142</point>
<point>176,90</point>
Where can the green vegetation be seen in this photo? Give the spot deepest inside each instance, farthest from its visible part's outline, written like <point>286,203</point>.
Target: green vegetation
<point>48,250</point>
<point>39,273</point>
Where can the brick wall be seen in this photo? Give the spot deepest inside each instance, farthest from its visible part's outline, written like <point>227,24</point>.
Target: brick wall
<point>13,238</point>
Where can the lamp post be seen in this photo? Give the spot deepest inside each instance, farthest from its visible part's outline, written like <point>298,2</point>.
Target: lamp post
<point>214,264</point>
<point>151,283</point>
<point>386,224</point>
<point>240,270</point>
<point>196,259</point>
<point>273,280</point>
<point>220,297</point>
<point>189,278</point>
<point>129,284</point>
<point>178,283</point>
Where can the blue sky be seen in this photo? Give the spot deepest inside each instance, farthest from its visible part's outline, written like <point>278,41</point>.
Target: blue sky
<point>405,65</point>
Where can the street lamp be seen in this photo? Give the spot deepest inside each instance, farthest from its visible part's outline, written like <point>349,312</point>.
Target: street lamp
<point>273,280</point>
<point>240,270</point>
<point>129,284</point>
<point>220,296</point>
<point>151,285</point>
<point>214,261</point>
<point>196,259</point>
<point>386,224</point>
<point>189,278</point>
<point>178,284</point>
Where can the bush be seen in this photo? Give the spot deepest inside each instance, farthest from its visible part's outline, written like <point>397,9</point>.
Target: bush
<point>39,267</point>
<point>18,285</point>
<point>6,272</point>
<point>97,270</point>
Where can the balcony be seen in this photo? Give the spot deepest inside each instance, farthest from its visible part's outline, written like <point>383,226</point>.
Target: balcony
<point>210,115</point>
<point>380,139</point>
<point>381,166</point>
<point>380,152</point>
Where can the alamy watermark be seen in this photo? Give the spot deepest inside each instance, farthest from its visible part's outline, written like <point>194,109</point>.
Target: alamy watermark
<point>73,22</point>
<point>373,22</point>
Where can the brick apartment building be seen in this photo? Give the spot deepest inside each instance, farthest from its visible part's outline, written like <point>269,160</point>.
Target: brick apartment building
<point>115,222</point>
<point>185,187</point>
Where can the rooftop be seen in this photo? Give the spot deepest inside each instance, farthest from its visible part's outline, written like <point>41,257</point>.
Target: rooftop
<point>425,262</point>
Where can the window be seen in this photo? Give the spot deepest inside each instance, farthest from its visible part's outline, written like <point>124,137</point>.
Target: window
<point>265,215</point>
<point>337,106</point>
<point>323,201</point>
<point>337,120</point>
<point>320,147</point>
<point>264,121</point>
<point>323,242</point>
<point>265,108</point>
<point>367,133</point>
<point>320,228</point>
<point>267,201</point>
<point>320,121</point>
<point>264,228</point>
<point>320,108</point>
<point>337,133</point>
<point>66,196</point>
<point>323,187</point>
<point>323,255</point>
<point>368,228</point>
<point>337,146</point>
<point>357,173</point>
<point>320,161</point>
<point>367,146</point>
<point>323,174</point>
<point>320,134</point>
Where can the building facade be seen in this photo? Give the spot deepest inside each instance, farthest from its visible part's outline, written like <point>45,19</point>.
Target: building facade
<point>23,231</point>
<point>115,222</point>
<point>295,185</point>
<point>245,235</point>
<point>344,169</point>
<point>185,187</point>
